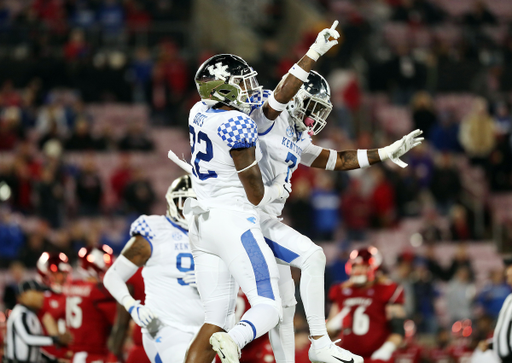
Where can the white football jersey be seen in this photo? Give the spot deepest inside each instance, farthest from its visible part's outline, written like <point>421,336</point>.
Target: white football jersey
<point>213,134</point>
<point>174,302</point>
<point>283,148</point>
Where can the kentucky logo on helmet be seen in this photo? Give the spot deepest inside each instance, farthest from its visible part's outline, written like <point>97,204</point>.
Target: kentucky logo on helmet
<point>220,71</point>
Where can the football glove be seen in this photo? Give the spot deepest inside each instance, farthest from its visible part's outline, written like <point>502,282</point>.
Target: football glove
<point>322,43</point>
<point>283,187</point>
<point>141,314</point>
<point>385,352</point>
<point>400,147</point>
<point>190,278</point>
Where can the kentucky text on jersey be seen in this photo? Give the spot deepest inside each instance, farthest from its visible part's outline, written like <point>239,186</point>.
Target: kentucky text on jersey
<point>291,145</point>
<point>181,247</point>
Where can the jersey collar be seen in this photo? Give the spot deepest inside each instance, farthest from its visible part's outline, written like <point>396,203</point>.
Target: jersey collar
<point>177,226</point>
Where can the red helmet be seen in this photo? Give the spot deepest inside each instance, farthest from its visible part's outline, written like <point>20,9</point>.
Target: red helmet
<point>95,261</point>
<point>369,256</point>
<point>48,265</point>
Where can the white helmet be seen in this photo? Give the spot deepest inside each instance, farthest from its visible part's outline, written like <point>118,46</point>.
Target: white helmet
<point>178,192</point>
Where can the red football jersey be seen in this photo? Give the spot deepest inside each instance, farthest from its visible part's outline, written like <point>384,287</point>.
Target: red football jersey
<point>460,352</point>
<point>411,353</point>
<point>90,314</point>
<point>439,355</point>
<point>365,326</point>
<point>55,305</point>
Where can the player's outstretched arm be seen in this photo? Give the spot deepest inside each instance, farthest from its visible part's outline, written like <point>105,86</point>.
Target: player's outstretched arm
<point>354,159</point>
<point>250,176</point>
<point>396,318</point>
<point>298,74</point>
<point>134,255</point>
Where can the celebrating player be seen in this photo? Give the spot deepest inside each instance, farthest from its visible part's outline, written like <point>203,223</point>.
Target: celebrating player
<point>160,244</point>
<point>285,137</point>
<point>53,269</point>
<point>90,309</point>
<point>228,183</point>
<point>367,310</point>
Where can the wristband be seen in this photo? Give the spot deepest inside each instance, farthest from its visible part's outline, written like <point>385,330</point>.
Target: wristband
<point>383,155</point>
<point>275,104</point>
<point>331,162</point>
<point>247,167</point>
<point>298,72</point>
<point>362,158</point>
<point>313,54</point>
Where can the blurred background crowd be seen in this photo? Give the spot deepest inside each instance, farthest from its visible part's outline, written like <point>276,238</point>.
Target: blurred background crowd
<point>93,93</point>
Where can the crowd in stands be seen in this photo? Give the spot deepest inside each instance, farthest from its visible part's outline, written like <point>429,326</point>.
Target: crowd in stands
<point>399,60</point>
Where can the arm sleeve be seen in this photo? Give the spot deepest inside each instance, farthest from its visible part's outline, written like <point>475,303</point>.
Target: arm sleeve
<point>116,277</point>
<point>239,132</point>
<point>21,326</point>
<point>309,154</point>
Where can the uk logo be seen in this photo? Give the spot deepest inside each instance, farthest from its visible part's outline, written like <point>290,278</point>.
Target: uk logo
<point>177,236</point>
<point>290,132</point>
<point>219,71</point>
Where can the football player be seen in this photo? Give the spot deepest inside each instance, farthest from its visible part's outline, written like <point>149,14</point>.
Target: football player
<point>53,271</point>
<point>160,244</point>
<point>367,310</point>
<point>225,235</point>
<point>90,309</point>
<point>285,139</point>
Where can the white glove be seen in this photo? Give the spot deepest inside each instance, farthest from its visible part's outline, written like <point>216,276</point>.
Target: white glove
<point>385,352</point>
<point>283,187</point>
<point>400,147</point>
<point>190,278</point>
<point>141,314</point>
<point>322,43</point>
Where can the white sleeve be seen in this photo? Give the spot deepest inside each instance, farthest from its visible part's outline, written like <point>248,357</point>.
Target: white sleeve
<point>21,325</point>
<point>116,277</point>
<point>257,114</point>
<point>309,154</point>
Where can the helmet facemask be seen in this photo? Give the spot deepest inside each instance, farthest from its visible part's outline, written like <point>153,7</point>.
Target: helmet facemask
<point>175,202</point>
<point>309,112</point>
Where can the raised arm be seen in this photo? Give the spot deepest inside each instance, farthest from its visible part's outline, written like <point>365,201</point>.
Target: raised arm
<point>354,159</point>
<point>298,74</point>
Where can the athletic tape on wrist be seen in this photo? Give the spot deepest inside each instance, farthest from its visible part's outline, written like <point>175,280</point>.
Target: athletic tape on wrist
<point>362,158</point>
<point>298,72</point>
<point>383,155</point>
<point>275,104</point>
<point>247,167</point>
<point>313,54</point>
<point>331,162</point>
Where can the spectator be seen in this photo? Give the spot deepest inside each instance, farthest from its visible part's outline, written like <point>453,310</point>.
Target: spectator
<point>459,296</point>
<point>121,176</point>
<point>423,113</point>
<point>425,294</point>
<point>383,199</point>
<point>299,207</point>
<point>430,231</point>
<point>326,203</point>
<point>407,191</point>
<point>50,198</point>
<point>477,132</point>
<point>37,243</point>
<point>82,14</point>
<point>357,211</point>
<point>493,294</point>
<point>136,139</point>
<point>89,189</point>
<point>139,194</point>
<point>81,139</point>
<point>502,119</point>
<point>420,161</point>
<point>52,117</point>
<point>460,228</point>
<point>17,274</point>
<point>22,187</point>
<point>444,135</point>
<point>406,74</point>
<point>8,135</point>
<point>111,17</point>
<point>76,48</point>
<point>11,237</point>
<point>446,185</point>
<point>105,140</point>
<point>480,15</point>
<point>140,70</point>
